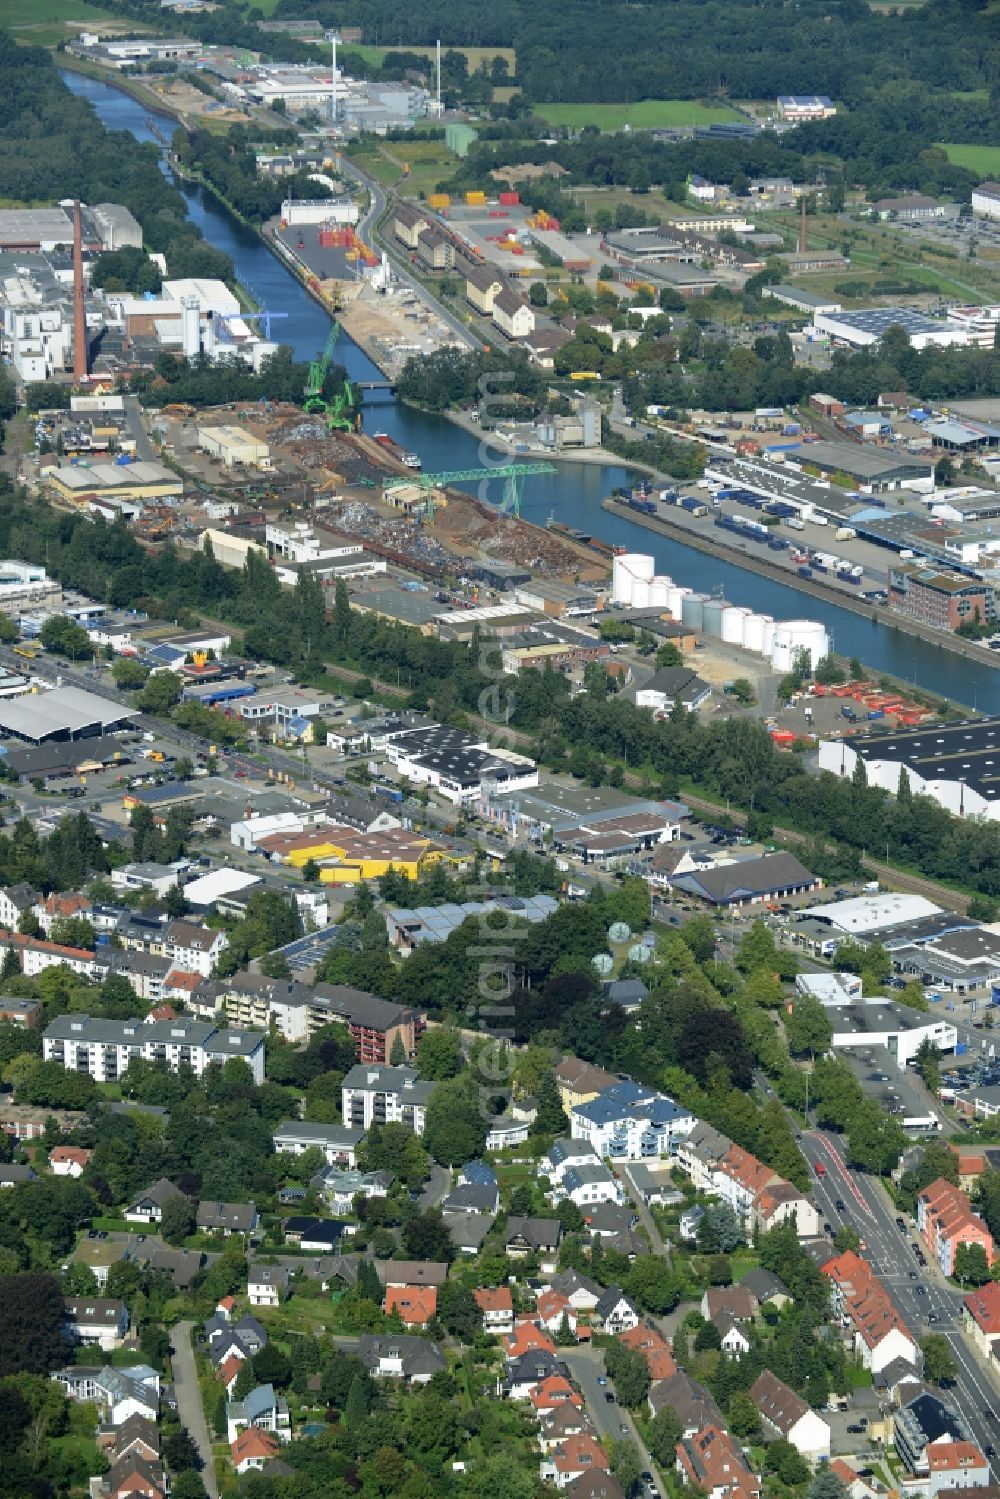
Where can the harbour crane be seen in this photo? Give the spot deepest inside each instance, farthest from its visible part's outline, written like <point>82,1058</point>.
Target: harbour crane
<point>513,475</point>
<point>337,411</point>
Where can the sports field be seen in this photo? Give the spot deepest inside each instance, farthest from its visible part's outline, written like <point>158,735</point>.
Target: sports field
<point>982,159</point>
<point>646,114</point>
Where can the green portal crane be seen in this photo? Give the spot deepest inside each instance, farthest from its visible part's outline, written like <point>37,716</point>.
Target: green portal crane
<point>338,411</point>
<point>513,475</point>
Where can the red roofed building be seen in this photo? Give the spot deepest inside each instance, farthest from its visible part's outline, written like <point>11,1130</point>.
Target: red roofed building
<point>571,1458</point>
<point>161,1012</point>
<point>68,1160</point>
<point>527,1339</point>
<point>955,1465</point>
<point>981,1314</point>
<point>55,906</point>
<point>945,1220</point>
<point>181,983</point>
<point>228,1372</point>
<point>553,1392</point>
<point>497,1307</point>
<point>252,1449</point>
<point>863,1305</point>
<point>712,1462</point>
<point>655,1349</point>
<point>36,955</point>
<point>416,1305</point>
<point>551,1308</point>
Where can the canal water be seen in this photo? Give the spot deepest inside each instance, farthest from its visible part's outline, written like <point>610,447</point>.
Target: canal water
<point>575,492</point>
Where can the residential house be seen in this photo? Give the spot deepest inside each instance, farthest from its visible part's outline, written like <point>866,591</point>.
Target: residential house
<point>646,1339</point>
<point>148,1206</point>
<point>137,1436</point>
<point>473,1197</point>
<point>945,1220</point>
<point>955,1465</point>
<point>227,1218</point>
<point>468,1230</point>
<point>527,1337</point>
<point>412,1272</point>
<point>15,1175</point>
<point>925,1421</point>
<point>261,1409</point>
<point>505,1131</point>
<point>267,1285</point>
<point>787,1415</point>
<point>497,1307</point>
<point>615,1313</point>
<point>68,1160</point>
<point>120,1393</point>
<point>563,1154</point>
<point>193,948</point>
<point>599,1485</point>
<point>628,1121</point>
<point>766,1288</point>
<point>372,1094</point>
<point>578,1082</point>
<point>527,1235</point>
<point>690,1401</point>
<point>400,1356</point>
<point>587,1185</point>
<point>527,1372</point>
<point>981,1317</point>
<point>252,1449</point>
<point>734,1300</point>
<point>552,1311</point>
<point>338,1143</point>
<point>734,1340</point>
<point>572,1458</point>
<point>560,1419</point>
<point>712,1462</point>
<point>580,1291</point>
<point>133,1477</point>
<point>339,1187</point>
<point>758,1195</point>
<point>415,1305</point>
<point>95,1320</point>
<point>869,1316</point>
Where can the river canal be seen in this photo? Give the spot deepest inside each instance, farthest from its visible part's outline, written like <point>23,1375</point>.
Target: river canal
<point>572,494</point>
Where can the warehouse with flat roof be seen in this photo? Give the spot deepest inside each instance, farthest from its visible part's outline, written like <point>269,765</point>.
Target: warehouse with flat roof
<point>64,713</point>
<point>958,764</point>
<point>867,325</point>
<point>873,470</point>
<point>135,481</point>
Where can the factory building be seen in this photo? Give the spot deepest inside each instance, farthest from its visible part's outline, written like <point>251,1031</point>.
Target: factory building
<point>955,763</point>
<point>861,329</point>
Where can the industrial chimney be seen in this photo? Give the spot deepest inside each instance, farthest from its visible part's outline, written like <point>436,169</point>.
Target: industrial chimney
<point>802,226</point>
<point>80,370</point>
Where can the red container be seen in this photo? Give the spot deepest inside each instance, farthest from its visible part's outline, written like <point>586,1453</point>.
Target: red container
<point>509,200</point>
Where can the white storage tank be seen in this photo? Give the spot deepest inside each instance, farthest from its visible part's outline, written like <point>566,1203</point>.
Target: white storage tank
<point>675,599</point>
<point>625,569</point>
<point>795,635</point>
<point>753,633</point>
<point>692,611</point>
<point>712,614</point>
<point>769,629</point>
<point>658,593</point>
<point>732,623</point>
<point>640,593</point>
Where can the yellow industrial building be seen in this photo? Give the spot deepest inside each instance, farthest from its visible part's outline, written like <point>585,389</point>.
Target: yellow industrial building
<point>112,481</point>
<point>234,445</point>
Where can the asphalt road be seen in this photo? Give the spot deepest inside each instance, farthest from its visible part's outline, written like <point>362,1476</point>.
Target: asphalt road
<point>890,1252</point>
<point>189,1406</point>
<point>586,1365</point>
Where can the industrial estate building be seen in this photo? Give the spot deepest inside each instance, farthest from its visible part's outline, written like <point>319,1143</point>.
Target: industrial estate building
<point>955,763</point>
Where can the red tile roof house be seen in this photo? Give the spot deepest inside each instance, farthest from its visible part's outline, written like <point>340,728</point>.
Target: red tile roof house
<point>862,1304</point>
<point>945,1220</point>
<point>228,1372</point>
<point>572,1457</point>
<point>981,1315</point>
<point>712,1462</point>
<point>653,1346</point>
<point>252,1449</point>
<point>955,1465</point>
<point>553,1392</point>
<point>416,1305</point>
<point>551,1308</point>
<point>68,1160</point>
<point>497,1307</point>
<point>527,1339</point>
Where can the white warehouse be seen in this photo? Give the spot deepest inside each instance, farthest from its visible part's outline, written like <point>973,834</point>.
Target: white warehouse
<point>900,1030</point>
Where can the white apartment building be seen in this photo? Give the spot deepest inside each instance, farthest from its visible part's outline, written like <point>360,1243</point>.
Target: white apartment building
<point>628,1122</point>
<point>195,949</point>
<point>104,1048</point>
<point>36,955</point>
<point>384,1095</point>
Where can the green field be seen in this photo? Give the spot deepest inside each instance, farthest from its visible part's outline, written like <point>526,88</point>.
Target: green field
<point>473,55</point>
<point>40,12</point>
<point>647,114</point>
<point>982,159</point>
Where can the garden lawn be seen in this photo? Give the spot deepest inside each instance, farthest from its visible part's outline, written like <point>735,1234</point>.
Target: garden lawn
<point>646,114</point>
